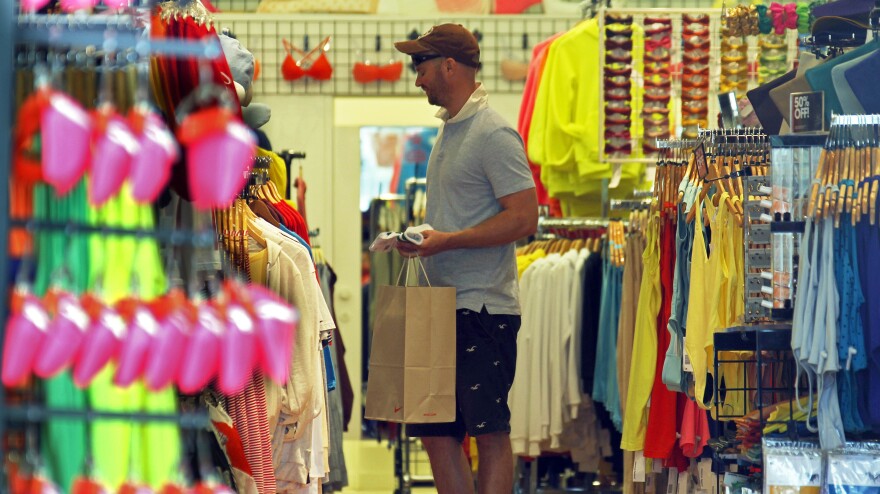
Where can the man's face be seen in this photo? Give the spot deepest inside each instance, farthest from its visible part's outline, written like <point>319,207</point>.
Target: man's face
<point>432,80</point>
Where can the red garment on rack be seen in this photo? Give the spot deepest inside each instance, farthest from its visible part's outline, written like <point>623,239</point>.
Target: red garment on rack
<point>175,78</point>
<point>527,108</point>
<point>660,435</point>
<point>677,458</point>
<point>251,418</point>
<point>293,220</point>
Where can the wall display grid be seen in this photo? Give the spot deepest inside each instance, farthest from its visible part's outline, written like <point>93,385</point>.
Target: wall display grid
<point>356,39</point>
<point>251,5</point>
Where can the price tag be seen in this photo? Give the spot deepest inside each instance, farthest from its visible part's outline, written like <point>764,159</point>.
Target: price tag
<point>707,477</point>
<point>807,111</point>
<point>700,161</point>
<point>672,484</point>
<point>639,467</point>
<point>684,482</point>
<point>657,465</point>
<point>686,365</point>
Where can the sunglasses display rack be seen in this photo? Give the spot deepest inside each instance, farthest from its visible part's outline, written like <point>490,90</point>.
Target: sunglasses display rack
<point>675,80</point>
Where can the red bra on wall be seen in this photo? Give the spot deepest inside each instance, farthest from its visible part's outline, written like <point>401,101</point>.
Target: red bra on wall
<point>365,73</point>
<point>313,64</point>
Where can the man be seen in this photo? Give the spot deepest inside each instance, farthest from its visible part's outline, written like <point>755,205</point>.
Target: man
<point>480,199</point>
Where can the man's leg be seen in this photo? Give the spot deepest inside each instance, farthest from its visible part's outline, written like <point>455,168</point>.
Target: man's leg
<point>452,472</point>
<point>495,475</point>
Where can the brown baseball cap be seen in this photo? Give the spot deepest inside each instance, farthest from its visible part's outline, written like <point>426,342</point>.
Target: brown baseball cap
<point>447,40</point>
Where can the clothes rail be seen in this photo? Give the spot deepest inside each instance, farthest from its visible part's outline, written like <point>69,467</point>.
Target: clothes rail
<point>855,120</point>
<point>38,414</point>
<point>630,204</point>
<point>744,132</point>
<point>112,33</point>
<point>173,237</point>
<point>676,143</point>
<point>573,223</point>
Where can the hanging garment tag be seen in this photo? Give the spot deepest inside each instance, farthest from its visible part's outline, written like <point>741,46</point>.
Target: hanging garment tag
<point>672,484</point>
<point>649,483</point>
<point>707,477</point>
<point>639,467</point>
<point>684,482</point>
<point>686,365</point>
<point>657,465</point>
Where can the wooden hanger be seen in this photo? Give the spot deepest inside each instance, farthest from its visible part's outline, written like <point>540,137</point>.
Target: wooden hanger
<point>854,206</point>
<point>817,199</point>
<point>860,210</point>
<point>270,192</point>
<point>832,176</point>
<point>875,177</point>
<point>843,197</point>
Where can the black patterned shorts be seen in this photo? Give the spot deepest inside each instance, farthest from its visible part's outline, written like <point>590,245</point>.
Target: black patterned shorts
<point>485,366</point>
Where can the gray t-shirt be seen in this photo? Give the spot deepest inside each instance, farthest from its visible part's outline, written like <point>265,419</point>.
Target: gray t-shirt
<point>476,159</point>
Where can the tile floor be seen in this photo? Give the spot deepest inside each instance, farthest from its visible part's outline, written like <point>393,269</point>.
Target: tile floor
<point>371,468</point>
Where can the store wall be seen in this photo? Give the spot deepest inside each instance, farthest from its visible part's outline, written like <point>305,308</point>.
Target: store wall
<point>327,129</point>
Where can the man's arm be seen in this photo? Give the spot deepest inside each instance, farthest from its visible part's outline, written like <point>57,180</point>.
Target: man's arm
<point>517,219</point>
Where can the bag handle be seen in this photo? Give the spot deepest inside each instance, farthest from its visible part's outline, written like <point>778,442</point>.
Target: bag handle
<point>405,267</point>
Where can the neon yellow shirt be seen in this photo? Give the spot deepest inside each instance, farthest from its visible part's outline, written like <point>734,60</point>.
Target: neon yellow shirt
<point>644,359</point>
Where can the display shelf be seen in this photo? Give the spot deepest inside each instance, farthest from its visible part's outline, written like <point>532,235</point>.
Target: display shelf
<point>755,338</point>
<point>788,226</point>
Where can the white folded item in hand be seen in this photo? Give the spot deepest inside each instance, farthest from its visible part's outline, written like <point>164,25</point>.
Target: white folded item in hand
<point>387,241</point>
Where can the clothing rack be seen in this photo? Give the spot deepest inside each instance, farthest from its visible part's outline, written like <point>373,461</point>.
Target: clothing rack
<point>572,227</point>
<point>848,120</point>
<point>574,223</point>
<point>411,186</point>
<point>171,237</point>
<point>288,155</point>
<point>732,135</point>
<point>259,176</point>
<point>630,204</point>
<point>676,143</point>
<point>110,33</point>
<point>39,414</point>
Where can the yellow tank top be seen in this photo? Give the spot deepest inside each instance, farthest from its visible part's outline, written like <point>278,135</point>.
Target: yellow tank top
<point>644,352</point>
<point>699,305</point>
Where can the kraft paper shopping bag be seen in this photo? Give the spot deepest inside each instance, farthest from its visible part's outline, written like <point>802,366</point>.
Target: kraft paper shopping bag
<point>412,358</point>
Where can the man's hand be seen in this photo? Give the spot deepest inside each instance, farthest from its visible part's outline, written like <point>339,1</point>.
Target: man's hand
<point>435,242</point>
<point>407,249</point>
